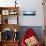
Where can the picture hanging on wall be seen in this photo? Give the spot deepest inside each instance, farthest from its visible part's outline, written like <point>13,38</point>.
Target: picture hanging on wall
<point>29,13</point>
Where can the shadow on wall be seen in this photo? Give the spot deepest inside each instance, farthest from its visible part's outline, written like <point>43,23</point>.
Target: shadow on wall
<point>37,29</point>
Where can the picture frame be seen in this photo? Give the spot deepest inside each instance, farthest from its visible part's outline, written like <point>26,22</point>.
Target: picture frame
<point>29,13</point>
<point>13,12</point>
<point>5,12</point>
<point>13,20</point>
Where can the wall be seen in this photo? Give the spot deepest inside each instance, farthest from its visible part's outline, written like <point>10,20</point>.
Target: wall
<point>28,5</point>
<point>44,12</point>
<point>36,20</point>
<point>7,3</point>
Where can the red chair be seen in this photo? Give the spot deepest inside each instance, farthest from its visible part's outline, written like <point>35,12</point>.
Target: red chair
<point>29,33</point>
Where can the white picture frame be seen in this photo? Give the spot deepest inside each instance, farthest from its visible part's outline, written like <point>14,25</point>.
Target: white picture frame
<point>5,12</point>
<point>12,20</point>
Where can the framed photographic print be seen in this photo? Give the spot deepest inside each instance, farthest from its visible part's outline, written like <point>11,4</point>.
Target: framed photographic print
<point>12,12</point>
<point>5,12</point>
<point>12,20</point>
<point>29,13</point>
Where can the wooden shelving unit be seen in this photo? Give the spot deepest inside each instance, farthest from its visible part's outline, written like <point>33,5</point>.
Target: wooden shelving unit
<point>5,12</point>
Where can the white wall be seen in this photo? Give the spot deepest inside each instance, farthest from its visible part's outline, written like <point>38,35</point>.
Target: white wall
<point>4,3</point>
<point>36,20</point>
<point>28,5</point>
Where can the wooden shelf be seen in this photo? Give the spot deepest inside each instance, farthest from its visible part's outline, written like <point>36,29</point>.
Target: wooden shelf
<point>10,26</point>
<point>9,8</point>
<point>5,25</point>
<point>9,43</point>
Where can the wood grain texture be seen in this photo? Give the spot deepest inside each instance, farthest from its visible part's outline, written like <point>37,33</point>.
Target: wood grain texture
<point>9,43</point>
<point>10,26</point>
<point>44,12</point>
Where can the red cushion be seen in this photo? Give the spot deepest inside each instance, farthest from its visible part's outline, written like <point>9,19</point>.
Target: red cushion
<point>29,33</point>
